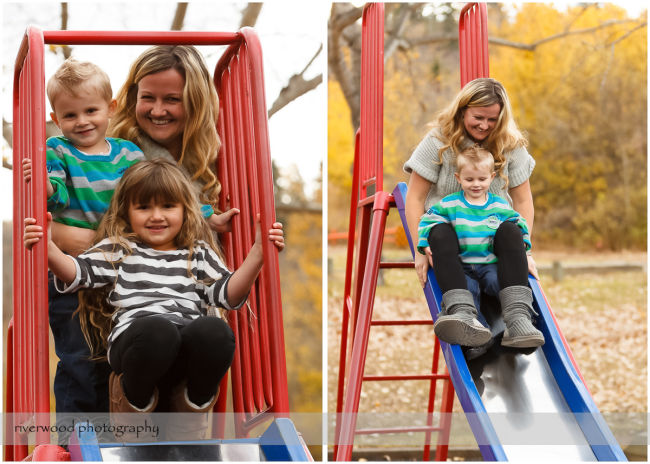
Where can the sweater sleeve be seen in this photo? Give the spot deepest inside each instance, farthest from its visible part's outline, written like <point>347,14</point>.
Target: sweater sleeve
<point>520,166</point>
<point>425,158</point>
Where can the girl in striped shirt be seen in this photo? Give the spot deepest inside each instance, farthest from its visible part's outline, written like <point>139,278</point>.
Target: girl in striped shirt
<point>164,271</point>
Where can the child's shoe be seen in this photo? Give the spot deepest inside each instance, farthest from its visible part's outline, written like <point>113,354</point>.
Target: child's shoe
<point>457,324</point>
<point>517,308</point>
<point>124,422</point>
<point>192,422</point>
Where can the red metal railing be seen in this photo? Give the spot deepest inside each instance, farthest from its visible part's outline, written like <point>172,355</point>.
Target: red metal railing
<point>473,42</point>
<point>259,370</point>
<point>371,205</point>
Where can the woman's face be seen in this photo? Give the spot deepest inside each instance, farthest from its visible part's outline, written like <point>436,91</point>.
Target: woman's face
<point>159,109</point>
<point>479,121</point>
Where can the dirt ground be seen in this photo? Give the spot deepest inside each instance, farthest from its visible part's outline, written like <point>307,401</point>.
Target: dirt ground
<point>602,314</point>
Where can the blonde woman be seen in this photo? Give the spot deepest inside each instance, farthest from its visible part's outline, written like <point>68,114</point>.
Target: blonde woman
<point>480,114</point>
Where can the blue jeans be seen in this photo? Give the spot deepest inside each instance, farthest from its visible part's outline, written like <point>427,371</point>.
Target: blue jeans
<point>80,385</point>
<point>481,278</point>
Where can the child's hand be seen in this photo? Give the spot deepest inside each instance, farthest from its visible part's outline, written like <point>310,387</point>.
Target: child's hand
<point>33,232</point>
<point>27,169</point>
<point>276,235</point>
<point>222,222</point>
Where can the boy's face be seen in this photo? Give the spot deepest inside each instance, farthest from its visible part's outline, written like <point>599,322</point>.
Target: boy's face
<point>83,119</point>
<point>475,182</point>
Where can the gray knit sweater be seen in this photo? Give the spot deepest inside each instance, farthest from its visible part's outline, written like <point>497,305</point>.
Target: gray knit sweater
<point>424,161</point>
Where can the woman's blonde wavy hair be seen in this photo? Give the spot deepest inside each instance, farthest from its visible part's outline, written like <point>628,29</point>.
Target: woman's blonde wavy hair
<point>158,180</point>
<point>201,141</point>
<point>505,136</point>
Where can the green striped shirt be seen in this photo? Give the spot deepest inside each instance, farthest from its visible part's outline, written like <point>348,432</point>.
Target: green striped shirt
<point>475,225</point>
<point>84,184</point>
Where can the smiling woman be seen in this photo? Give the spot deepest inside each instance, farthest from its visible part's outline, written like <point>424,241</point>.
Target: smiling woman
<point>159,110</point>
<point>479,115</point>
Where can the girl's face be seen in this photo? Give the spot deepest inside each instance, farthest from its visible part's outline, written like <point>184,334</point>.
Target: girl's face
<point>157,224</point>
<point>159,109</point>
<point>479,121</point>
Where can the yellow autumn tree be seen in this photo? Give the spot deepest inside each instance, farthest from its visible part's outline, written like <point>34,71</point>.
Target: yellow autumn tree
<point>581,98</point>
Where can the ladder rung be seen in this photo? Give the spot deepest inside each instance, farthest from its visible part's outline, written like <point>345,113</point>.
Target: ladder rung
<point>395,322</point>
<point>423,428</point>
<point>380,378</point>
<point>396,265</point>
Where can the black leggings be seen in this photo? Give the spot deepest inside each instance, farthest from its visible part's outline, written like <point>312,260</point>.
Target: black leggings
<point>153,352</point>
<point>512,267</point>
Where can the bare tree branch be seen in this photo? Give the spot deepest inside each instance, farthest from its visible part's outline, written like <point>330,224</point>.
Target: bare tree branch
<point>250,14</point>
<point>67,51</point>
<point>179,16</point>
<point>296,87</point>
<point>533,45</point>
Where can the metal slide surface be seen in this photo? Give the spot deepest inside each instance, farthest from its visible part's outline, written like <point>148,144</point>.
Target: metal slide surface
<point>524,405</point>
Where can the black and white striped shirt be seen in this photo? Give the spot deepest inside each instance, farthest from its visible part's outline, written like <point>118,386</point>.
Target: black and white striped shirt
<point>150,282</point>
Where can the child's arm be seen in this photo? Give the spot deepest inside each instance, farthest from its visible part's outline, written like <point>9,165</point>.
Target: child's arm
<point>243,278</point>
<point>222,222</point>
<point>61,265</point>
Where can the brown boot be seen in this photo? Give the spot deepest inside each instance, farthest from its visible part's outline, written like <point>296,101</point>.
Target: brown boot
<point>130,427</point>
<point>192,422</point>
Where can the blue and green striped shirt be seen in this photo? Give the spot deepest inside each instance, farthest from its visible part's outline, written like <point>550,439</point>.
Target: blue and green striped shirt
<point>475,225</point>
<point>84,184</point>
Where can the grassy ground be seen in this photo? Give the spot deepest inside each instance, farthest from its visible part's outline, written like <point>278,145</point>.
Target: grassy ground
<point>602,315</point>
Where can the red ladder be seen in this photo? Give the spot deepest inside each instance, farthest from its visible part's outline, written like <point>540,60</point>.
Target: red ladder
<point>371,205</point>
<point>258,372</point>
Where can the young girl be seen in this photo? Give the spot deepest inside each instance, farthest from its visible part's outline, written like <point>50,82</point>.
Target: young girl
<point>159,258</point>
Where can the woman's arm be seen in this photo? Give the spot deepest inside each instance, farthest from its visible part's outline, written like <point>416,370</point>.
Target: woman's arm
<point>72,240</point>
<point>522,202</point>
<point>416,195</point>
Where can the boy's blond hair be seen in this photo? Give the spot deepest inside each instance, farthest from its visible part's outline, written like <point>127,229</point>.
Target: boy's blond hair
<point>73,75</point>
<point>476,156</point>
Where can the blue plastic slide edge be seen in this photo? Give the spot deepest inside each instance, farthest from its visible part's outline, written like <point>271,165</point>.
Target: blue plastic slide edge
<point>281,442</point>
<point>596,431</point>
<point>469,398</point>
<point>83,444</point>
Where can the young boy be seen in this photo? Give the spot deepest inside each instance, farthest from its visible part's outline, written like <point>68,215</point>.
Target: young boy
<point>84,167</point>
<point>475,215</point>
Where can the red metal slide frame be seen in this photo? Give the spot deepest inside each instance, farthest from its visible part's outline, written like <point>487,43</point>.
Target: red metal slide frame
<point>371,205</point>
<point>259,381</point>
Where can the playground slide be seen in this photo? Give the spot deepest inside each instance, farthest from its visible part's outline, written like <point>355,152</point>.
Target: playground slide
<point>524,405</point>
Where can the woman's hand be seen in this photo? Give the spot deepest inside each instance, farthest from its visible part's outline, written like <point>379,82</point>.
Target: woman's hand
<point>222,222</point>
<point>532,267</point>
<point>422,264</point>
